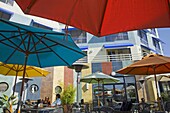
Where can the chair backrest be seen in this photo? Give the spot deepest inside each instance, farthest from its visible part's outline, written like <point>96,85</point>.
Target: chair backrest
<point>5,110</point>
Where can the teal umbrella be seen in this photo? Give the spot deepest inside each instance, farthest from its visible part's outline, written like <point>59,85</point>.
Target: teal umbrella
<point>42,48</point>
<point>26,45</point>
<point>97,78</point>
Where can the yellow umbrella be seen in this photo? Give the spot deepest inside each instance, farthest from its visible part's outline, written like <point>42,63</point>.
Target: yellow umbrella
<point>17,70</point>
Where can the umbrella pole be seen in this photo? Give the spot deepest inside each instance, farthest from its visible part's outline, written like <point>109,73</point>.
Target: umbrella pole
<point>78,88</point>
<point>98,95</point>
<point>158,98</point>
<point>15,82</point>
<point>156,85</point>
<point>22,86</point>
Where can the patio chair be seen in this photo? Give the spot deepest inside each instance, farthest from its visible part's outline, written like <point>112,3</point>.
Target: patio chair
<point>144,108</point>
<point>106,109</point>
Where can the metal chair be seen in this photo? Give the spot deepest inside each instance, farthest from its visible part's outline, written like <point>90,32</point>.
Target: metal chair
<point>106,109</point>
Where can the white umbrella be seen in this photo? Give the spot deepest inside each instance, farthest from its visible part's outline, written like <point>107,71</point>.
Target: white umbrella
<point>99,77</point>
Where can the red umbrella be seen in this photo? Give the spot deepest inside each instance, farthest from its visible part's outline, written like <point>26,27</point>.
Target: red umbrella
<point>102,17</point>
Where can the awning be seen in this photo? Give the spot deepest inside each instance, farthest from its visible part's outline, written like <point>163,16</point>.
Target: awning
<point>117,45</point>
<point>83,48</point>
<point>6,11</point>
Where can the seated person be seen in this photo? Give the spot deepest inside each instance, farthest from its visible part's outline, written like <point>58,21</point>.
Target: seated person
<point>57,102</point>
<point>27,104</point>
<point>39,103</point>
<point>47,102</point>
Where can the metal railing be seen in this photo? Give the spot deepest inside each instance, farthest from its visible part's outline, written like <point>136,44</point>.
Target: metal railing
<point>110,58</point>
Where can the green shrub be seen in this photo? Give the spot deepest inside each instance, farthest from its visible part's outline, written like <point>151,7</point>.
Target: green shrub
<point>6,101</point>
<point>165,96</point>
<point>68,95</point>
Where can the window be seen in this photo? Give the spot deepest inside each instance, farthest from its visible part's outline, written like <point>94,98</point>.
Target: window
<point>10,2</point>
<point>40,26</point>
<point>3,86</point>
<point>116,37</point>
<point>156,44</point>
<point>58,89</point>
<point>5,15</point>
<point>143,37</point>
<point>34,88</point>
<point>78,35</point>
<point>165,87</point>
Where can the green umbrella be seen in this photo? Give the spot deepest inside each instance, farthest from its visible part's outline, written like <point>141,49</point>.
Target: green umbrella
<point>99,77</point>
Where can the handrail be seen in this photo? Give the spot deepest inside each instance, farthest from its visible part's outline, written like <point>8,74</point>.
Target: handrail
<point>110,58</point>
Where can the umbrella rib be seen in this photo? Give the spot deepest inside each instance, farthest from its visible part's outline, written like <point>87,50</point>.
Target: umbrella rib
<point>26,73</point>
<point>7,38</point>
<point>22,40</point>
<point>63,45</point>
<point>21,68</point>
<point>54,52</point>
<point>130,70</point>
<point>9,69</point>
<point>36,42</point>
<point>40,40</point>
<point>57,43</point>
<point>28,45</point>
<point>163,65</point>
<point>38,71</point>
<point>36,52</point>
<point>17,47</point>
<point>41,50</point>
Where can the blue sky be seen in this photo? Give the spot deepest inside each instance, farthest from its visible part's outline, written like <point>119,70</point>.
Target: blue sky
<point>164,35</point>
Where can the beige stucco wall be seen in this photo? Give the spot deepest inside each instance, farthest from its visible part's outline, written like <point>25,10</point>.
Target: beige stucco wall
<point>87,93</point>
<point>58,79</point>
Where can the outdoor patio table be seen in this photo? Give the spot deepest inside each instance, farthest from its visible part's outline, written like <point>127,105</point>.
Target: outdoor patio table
<point>38,110</point>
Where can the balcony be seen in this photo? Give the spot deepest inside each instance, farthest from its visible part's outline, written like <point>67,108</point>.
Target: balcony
<point>110,58</point>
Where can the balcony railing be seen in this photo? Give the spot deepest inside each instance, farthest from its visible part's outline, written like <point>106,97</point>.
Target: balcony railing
<point>110,58</point>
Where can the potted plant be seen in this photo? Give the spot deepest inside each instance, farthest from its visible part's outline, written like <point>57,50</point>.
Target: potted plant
<point>67,97</point>
<point>8,102</point>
